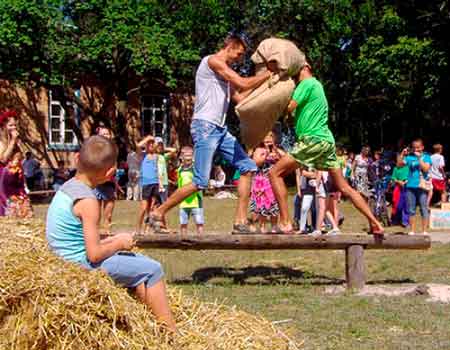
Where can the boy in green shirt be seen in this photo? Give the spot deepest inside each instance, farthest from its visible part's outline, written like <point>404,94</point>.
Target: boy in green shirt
<point>192,205</point>
<point>315,148</point>
<point>399,214</point>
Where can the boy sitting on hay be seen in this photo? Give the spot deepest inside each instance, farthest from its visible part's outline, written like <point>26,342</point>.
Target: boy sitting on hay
<point>72,231</point>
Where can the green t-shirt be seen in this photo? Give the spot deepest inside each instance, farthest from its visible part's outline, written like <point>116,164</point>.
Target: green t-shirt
<point>400,173</point>
<point>311,114</point>
<point>341,161</point>
<point>185,176</point>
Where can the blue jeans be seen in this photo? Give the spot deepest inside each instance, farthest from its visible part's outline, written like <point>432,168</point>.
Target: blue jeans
<point>297,207</point>
<point>416,196</point>
<point>209,138</point>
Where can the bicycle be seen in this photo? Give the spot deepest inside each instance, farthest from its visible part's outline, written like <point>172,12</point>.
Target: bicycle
<point>377,200</point>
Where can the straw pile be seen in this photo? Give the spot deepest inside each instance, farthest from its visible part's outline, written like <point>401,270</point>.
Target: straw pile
<point>46,303</point>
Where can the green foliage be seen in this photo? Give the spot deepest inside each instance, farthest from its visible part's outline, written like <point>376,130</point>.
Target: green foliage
<point>375,58</point>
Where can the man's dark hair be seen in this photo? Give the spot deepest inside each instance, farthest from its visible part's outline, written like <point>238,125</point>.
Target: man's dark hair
<point>97,154</point>
<point>240,36</point>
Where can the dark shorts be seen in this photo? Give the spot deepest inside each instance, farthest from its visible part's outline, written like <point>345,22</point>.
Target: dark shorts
<point>149,191</point>
<point>106,191</point>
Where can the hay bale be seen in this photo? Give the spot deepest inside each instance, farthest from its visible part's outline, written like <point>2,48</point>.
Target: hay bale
<point>46,303</point>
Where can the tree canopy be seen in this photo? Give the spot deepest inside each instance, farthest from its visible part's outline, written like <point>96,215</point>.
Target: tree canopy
<point>384,63</point>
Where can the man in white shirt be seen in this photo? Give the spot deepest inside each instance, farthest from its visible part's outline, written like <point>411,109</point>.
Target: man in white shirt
<point>437,172</point>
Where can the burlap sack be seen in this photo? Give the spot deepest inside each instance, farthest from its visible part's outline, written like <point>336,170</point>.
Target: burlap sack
<point>262,108</point>
<point>289,58</point>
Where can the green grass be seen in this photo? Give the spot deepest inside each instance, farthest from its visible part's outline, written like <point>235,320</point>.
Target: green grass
<point>290,285</point>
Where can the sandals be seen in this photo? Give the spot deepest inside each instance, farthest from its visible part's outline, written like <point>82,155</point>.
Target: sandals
<point>241,229</point>
<point>155,223</point>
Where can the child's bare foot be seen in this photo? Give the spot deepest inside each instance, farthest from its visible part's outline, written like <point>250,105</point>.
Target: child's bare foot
<point>285,229</point>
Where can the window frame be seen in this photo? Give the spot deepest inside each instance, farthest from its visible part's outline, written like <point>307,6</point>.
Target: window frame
<point>60,145</point>
<point>164,108</point>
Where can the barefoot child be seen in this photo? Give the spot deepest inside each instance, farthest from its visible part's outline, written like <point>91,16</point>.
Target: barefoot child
<point>192,205</point>
<point>72,231</point>
<point>315,148</point>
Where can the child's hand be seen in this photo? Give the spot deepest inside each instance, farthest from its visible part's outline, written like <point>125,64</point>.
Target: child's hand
<point>126,239</point>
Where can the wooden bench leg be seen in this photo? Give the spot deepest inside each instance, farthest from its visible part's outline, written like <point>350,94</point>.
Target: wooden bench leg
<point>354,267</point>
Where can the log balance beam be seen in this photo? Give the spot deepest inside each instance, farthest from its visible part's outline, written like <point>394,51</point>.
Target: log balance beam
<point>354,246</point>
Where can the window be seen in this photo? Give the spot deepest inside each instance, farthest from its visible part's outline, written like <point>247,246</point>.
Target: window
<point>60,127</point>
<point>155,116</point>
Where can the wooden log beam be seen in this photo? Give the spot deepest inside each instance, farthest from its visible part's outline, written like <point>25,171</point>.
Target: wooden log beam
<point>355,272</point>
<point>41,193</point>
<point>267,242</point>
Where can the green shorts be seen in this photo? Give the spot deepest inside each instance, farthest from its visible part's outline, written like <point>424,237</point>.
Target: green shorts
<point>312,152</point>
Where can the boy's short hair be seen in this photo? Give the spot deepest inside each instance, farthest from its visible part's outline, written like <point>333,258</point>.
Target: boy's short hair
<point>186,151</point>
<point>96,154</point>
<point>437,147</point>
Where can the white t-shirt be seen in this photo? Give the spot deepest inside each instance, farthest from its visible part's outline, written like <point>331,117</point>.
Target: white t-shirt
<point>437,162</point>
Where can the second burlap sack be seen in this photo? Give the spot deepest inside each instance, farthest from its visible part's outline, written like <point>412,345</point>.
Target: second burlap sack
<point>263,107</point>
<point>259,112</point>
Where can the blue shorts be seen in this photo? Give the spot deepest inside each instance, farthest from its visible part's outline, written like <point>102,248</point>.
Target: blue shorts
<point>197,213</point>
<point>418,196</point>
<point>105,191</point>
<point>209,138</point>
<point>130,269</point>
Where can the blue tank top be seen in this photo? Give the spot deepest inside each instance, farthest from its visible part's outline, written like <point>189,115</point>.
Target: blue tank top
<point>149,171</point>
<point>64,231</point>
<point>212,95</point>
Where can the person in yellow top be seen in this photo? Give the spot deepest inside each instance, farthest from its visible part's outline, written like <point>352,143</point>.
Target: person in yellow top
<point>192,205</point>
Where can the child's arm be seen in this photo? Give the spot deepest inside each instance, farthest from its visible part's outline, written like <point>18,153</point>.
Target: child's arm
<point>170,152</point>
<point>88,210</point>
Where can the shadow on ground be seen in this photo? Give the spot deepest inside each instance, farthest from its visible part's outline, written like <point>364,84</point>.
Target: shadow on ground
<point>258,275</point>
<point>268,275</point>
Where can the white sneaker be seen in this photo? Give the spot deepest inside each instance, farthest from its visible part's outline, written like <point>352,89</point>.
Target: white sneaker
<point>411,233</point>
<point>426,233</point>
<point>315,233</point>
<point>333,232</point>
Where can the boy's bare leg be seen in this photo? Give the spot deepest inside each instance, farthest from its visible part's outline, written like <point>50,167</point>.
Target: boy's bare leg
<point>200,229</point>
<point>183,229</point>
<point>357,200</point>
<point>142,210</point>
<point>425,223</point>
<point>244,187</point>
<point>321,209</point>
<point>174,199</point>
<point>156,298</point>
<point>412,223</point>
<point>282,168</point>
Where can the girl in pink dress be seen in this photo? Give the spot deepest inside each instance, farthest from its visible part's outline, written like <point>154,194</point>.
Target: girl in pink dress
<point>263,205</point>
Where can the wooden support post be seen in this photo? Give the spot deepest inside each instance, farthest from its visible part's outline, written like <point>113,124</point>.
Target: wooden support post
<point>354,267</point>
